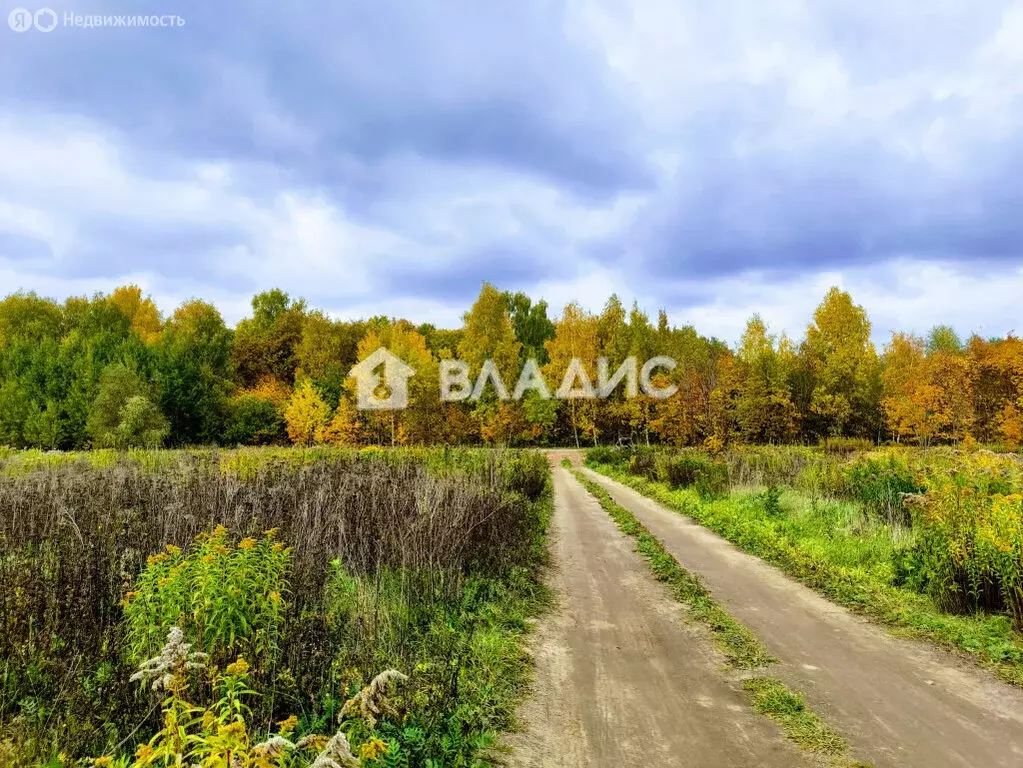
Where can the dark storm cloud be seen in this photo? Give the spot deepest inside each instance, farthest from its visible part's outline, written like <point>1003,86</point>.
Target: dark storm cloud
<point>309,86</point>
<point>369,106</point>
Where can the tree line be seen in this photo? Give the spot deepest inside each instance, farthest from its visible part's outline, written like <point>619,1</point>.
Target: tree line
<point>112,371</point>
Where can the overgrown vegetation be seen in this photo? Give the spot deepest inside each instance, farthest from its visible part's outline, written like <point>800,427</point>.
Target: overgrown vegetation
<point>927,541</point>
<point>317,569</point>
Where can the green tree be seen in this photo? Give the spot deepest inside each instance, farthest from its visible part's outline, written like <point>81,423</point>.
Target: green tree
<point>124,414</point>
<point>192,371</point>
<point>531,325</point>
<point>326,353</point>
<point>255,420</point>
<point>943,338</point>
<point>266,343</point>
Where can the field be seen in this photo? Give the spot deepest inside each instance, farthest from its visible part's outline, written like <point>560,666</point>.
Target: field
<point>291,608</point>
<point>266,607</point>
<point>929,542</point>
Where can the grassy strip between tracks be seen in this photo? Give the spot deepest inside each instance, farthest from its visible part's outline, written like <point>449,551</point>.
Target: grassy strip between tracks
<point>742,650</point>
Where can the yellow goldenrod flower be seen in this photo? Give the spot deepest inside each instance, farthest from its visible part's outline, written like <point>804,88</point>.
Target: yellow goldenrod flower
<point>271,533</point>
<point>219,532</point>
<point>287,726</point>
<point>372,749</point>
<point>315,742</point>
<point>102,762</point>
<point>239,667</point>
<point>277,547</point>
<point>157,558</point>
<point>275,597</point>
<point>247,543</point>
<point>173,550</point>
<point>237,728</point>
<point>144,752</point>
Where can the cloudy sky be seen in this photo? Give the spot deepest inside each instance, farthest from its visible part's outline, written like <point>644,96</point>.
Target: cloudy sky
<point>386,156</point>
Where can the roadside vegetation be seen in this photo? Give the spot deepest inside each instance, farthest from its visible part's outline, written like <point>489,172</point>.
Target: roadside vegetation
<point>929,542</point>
<point>272,609</point>
<point>741,649</point>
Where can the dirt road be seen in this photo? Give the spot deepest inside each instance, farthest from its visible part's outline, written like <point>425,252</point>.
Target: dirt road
<point>621,679</point>
<point>898,702</point>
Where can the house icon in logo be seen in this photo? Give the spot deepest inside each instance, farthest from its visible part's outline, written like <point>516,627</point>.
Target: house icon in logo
<point>381,381</point>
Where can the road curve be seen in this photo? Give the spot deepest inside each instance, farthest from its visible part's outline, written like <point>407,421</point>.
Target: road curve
<point>621,677</point>
<point>898,702</point>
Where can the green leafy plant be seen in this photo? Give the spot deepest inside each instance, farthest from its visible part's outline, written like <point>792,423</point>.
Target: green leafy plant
<point>227,597</point>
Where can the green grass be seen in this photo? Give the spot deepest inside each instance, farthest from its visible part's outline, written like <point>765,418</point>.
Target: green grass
<point>771,698</point>
<point>833,548</point>
<point>741,649</point>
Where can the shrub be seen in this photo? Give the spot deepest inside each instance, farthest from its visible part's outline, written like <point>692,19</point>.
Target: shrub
<point>845,445</point>
<point>971,528</point>
<point>124,414</point>
<point>693,470</point>
<point>255,421</point>
<point>607,454</point>
<point>222,731</point>
<point>911,569</point>
<point>770,499</point>
<point>526,473</point>
<point>881,481</point>
<point>642,463</point>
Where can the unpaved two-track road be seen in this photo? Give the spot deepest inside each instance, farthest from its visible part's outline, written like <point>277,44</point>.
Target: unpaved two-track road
<point>623,679</point>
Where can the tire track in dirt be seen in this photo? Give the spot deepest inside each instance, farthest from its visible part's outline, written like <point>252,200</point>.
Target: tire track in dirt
<point>621,678</point>
<point>898,702</point>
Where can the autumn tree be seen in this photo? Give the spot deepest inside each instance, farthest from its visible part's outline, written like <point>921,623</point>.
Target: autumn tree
<point>997,367</point>
<point>764,409</point>
<point>419,422</point>
<point>306,413</point>
<point>257,413</point>
<point>345,426</point>
<point>488,335</point>
<point>266,343</point>
<point>572,369</point>
<point>142,313</point>
<point>842,369</point>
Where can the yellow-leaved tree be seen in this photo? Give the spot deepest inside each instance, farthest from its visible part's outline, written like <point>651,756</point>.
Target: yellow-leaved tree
<point>573,362</point>
<point>345,426</point>
<point>141,313</point>
<point>420,422</point>
<point>842,368</point>
<point>306,414</point>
